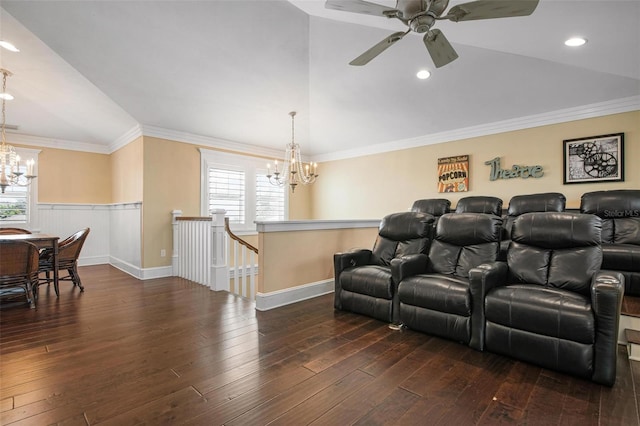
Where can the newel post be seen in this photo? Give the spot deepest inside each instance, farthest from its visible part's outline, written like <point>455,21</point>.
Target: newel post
<point>174,256</point>
<point>219,267</point>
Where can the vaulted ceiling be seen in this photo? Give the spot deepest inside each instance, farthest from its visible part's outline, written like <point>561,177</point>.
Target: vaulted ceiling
<point>91,74</point>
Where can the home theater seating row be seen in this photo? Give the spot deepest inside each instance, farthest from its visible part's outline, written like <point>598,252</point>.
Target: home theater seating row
<point>539,284</point>
<point>620,214</point>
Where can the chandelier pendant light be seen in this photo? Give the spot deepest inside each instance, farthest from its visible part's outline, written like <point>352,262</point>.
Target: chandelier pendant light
<point>11,173</point>
<point>294,172</point>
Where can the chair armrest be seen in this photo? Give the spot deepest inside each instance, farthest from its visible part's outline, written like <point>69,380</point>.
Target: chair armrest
<point>344,260</point>
<point>403,267</point>
<point>482,279</point>
<point>407,266</point>
<point>607,290</point>
<point>351,258</point>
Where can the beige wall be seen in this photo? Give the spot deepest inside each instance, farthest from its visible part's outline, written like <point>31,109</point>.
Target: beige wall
<point>126,172</point>
<point>289,259</point>
<point>165,175</point>
<point>392,181</point>
<point>300,203</point>
<point>171,181</point>
<point>66,176</point>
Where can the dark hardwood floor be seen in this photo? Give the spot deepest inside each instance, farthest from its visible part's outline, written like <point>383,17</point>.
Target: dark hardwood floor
<point>168,351</point>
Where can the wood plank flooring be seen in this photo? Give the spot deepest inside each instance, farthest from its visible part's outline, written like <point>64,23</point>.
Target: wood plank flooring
<point>168,351</point>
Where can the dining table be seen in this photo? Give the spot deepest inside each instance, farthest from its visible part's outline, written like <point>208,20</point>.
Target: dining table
<point>41,241</point>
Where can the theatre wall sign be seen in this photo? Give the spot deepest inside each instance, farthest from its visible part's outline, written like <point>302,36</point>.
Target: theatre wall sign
<point>515,171</point>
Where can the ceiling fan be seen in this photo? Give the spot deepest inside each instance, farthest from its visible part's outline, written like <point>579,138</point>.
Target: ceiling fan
<point>420,15</point>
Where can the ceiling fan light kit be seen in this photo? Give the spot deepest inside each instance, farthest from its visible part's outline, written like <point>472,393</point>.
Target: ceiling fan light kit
<point>421,15</point>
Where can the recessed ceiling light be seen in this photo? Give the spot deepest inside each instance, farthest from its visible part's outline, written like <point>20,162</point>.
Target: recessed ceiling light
<point>575,41</point>
<point>8,46</point>
<point>6,96</point>
<point>423,74</point>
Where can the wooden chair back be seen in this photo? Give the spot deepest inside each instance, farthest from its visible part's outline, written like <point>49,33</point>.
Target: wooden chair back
<point>13,231</point>
<point>19,261</point>
<point>69,249</point>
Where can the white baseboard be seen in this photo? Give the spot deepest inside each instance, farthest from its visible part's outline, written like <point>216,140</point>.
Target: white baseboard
<point>141,273</point>
<point>275,299</point>
<point>134,271</point>
<point>633,351</point>
<point>629,322</point>
<point>157,272</point>
<point>93,260</point>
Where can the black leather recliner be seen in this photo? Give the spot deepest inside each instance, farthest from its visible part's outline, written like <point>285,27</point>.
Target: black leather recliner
<point>434,292</point>
<point>549,304</point>
<point>434,206</point>
<point>363,280</point>
<point>620,214</point>
<point>480,204</point>
<point>530,203</point>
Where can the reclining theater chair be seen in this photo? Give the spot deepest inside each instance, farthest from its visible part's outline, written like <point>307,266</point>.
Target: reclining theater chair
<point>549,304</point>
<point>620,214</point>
<point>434,206</point>
<point>530,203</point>
<point>363,281</point>
<point>434,292</point>
<point>480,204</point>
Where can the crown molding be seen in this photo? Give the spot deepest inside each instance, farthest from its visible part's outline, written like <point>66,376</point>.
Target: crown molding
<point>600,109</point>
<point>20,139</point>
<point>174,135</point>
<point>125,139</point>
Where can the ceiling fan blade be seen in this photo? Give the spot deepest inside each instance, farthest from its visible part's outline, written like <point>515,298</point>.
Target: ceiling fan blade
<point>378,49</point>
<point>360,6</point>
<point>439,48</point>
<point>489,9</point>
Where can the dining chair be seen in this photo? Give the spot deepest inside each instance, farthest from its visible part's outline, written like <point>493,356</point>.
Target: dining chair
<point>18,268</point>
<point>13,231</point>
<point>68,253</point>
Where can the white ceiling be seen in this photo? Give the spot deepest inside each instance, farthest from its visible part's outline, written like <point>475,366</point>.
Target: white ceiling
<point>91,74</point>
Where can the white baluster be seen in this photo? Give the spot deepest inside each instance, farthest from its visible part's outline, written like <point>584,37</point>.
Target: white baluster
<point>219,269</point>
<point>236,272</point>
<point>176,237</point>
<point>252,275</point>
<point>243,293</point>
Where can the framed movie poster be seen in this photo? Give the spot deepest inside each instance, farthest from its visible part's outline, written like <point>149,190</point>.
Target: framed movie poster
<point>594,159</point>
<point>453,174</point>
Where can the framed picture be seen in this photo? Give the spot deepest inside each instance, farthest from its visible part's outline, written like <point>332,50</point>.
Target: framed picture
<point>453,174</point>
<point>594,159</point>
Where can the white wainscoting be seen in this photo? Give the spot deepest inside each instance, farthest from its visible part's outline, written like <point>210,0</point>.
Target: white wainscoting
<point>125,234</point>
<point>115,235</point>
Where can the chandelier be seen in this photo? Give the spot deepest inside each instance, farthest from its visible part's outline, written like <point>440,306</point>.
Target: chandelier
<point>11,173</point>
<point>294,171</point>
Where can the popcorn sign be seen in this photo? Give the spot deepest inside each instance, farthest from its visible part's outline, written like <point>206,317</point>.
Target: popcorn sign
<point>453,174</point>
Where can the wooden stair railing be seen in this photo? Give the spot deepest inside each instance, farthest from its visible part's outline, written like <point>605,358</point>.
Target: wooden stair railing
<point>234,237</point>
<point>201,254</point>
<point>243,269</point>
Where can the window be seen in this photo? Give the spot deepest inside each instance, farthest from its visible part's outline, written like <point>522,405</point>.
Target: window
<point>269,199</point>
<point>227,191</point>
<point>17,204</point>
<point>239,185</point>
<point>14,205</point>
